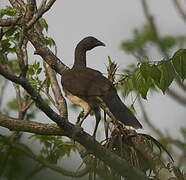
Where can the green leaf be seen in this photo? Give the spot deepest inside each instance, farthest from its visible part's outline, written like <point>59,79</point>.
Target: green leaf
<point>13,105</point>
<point>167,42</point>
<point>132,109</point>
<point>179,62</point>
<point>13,63</point>
<point>11,31</point>
<point>155,74</point>
<point>49,41</point>
<point>30,70</point>
<point>140,84</point>
<point>43,23</point>
<point>36,65</point>
<point>164,141</point>
<point>126,85</point>
<point>145,70</point>
<point>9,11</point>
<point>167,75</point>
<point>39,70</point>
<point>5,45</point>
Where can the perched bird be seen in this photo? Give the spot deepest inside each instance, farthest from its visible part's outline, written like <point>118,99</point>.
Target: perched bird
<point>91,90</point>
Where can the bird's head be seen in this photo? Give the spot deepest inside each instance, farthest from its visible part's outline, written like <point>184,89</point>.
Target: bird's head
<point>89,43</point>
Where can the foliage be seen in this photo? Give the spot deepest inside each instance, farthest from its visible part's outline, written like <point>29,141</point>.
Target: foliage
<point>53,147</point>
<point>12,160</point>
<point>33,71</point>
<point>145,37</point>
<point>150,75</point>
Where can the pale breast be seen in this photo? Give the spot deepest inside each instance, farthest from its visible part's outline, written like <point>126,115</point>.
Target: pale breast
<point>78,101</point>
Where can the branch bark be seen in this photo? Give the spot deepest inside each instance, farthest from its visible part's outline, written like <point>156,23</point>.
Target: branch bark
<point>9,21</point>
<point>14,124</point>
<point>41,49</point>
<point>59,99</point>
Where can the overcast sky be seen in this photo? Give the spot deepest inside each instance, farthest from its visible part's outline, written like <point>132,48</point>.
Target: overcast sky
<point>112,21</point>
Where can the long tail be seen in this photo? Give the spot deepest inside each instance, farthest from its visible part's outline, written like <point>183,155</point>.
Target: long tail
<point>120,112</point>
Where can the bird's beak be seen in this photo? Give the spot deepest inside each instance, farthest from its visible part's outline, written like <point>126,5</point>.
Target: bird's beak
<point>100,43</point>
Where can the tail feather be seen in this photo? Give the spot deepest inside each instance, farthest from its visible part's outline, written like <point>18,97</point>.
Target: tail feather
<point>120,112</point>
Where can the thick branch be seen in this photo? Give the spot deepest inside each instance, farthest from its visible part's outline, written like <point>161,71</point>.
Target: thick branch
<point>14,124</point>
<point>118,164</point>
<point>9,21</point>
<point>47,55</point>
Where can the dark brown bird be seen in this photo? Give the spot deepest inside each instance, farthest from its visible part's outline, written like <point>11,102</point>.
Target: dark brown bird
<point>91,90</point>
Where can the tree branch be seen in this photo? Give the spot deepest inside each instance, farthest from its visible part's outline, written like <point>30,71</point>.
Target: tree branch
<point>14,124</point>
<point>9,21</point>
<point>42,9</point>
<point>176,96</point>
<point>59,99</point>
<point>180,9</point>
<point>150,20</point>
<point>41,49</point>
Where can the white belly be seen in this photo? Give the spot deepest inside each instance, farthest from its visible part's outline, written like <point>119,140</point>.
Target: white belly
<point>78,101</point>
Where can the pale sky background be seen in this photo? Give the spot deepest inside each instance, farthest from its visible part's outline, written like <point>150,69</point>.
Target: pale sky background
<point>113,21</point>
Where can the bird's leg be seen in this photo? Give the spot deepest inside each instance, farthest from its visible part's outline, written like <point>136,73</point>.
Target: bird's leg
<point>106,125</point>
<point>98,118</point>
<point>82,116</point>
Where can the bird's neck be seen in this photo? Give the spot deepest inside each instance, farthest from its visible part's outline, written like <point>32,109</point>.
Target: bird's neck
<point>80,57</point>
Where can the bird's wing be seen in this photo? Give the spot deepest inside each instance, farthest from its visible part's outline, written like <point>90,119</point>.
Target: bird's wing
<point>85,82</point>
<point>91,86</point>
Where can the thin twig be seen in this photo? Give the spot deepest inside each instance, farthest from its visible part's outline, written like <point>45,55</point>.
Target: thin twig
<point>49,97</point>
<point>59,99</point>
<point>180,9</point>
<point>45,163</point>
<point>42,9</point>
<point>150,20</point>
<point>176,96</point>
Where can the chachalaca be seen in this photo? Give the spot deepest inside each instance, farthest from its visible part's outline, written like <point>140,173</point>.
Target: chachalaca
<point>91,90</point>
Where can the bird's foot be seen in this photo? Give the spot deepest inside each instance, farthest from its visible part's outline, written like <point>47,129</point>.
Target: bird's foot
<point>79,118</point>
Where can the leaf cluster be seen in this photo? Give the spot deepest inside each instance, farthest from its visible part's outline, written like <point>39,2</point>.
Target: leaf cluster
<point>53,147</point>
<point>12,160</point>
<point>7,11</point>
<point>145,36</point>
<point>150,75</point>
<point>33,71</point>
